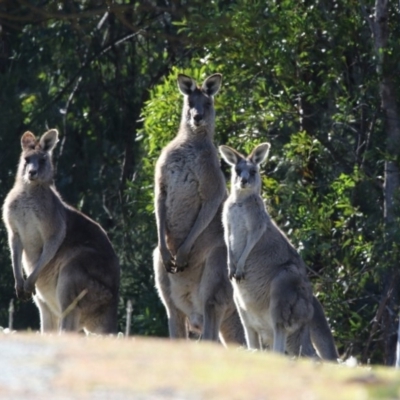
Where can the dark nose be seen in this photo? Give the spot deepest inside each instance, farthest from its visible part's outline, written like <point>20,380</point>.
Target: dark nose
<point>32,173</point>
<point>244,180</point>
<point>198,117</point>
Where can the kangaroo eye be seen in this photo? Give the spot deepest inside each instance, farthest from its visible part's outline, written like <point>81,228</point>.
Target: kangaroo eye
<point>253,172</point>
<point>191,104</point>
<point>42,160</point>
<point>237,170</point>
<point>27,159</point>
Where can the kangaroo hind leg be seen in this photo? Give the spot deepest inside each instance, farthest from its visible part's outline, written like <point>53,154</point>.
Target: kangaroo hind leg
<point>48,320</point>
<point>216,293</point>
<point>280,335</point>
<point>232,330</point>
<point>70,311</point>
<point>299,343</point>
<point>72,290</point>
<point>103,320</point>
<point>177,321</point>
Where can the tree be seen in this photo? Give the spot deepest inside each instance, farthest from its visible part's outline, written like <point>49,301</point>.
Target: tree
<point>381,29</point>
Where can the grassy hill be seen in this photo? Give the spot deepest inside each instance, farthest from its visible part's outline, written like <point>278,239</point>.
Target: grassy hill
<point>74,366</point>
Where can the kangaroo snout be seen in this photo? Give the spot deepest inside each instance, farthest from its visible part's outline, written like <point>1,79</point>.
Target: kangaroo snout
<point>243,181</point>
<point>32,174</point>
<point>197,119</point>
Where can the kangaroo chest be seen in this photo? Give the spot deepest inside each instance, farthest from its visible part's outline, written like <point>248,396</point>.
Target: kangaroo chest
<point>187,172</point>
<point>32,215</point>
<point>28,215</point>
<point>243,219</point>
<point>238,229</point>
<point>181,176</point>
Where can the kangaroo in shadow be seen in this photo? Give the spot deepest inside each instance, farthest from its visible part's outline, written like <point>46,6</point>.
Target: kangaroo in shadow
<point>271,289</point>
<point>71,268</point>
<point>190,260</point>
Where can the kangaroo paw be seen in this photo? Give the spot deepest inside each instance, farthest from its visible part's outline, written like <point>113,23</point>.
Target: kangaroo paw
<point>239,276</point>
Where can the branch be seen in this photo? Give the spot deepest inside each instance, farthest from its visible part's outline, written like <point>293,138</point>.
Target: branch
<point>111,8</point>
<point>367,17</point>
<point>377,318</point>
<point>81,69</point>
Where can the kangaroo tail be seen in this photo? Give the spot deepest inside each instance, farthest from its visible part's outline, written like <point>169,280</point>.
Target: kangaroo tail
<point>321,334</point>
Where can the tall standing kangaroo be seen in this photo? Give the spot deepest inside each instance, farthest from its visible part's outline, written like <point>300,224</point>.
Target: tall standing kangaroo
<point>271,289</point>
<point>70,265</point>
<point>190,260</point>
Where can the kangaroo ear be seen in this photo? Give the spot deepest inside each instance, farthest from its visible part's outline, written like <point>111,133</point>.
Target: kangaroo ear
<point>212,84</point>
<point>28,141</point>
<point>230,155</point>
<point>49,140</point>
<point>186,84</point>
<point>260,153</point>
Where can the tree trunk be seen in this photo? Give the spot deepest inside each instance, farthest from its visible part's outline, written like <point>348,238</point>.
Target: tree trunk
<point>398,347</point>
<point>380,29</point>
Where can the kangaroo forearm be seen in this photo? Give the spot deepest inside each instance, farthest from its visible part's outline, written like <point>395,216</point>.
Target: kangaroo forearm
<point>161,233</point>
<point>161,220</point>
<point>250,243</point>
<point>49,251</point>
<point>244,255</point>
<point>17,268</point>
<point>16,249</point>
<point>231,258</point>
<point>205,216</point>
<point>43,261</point>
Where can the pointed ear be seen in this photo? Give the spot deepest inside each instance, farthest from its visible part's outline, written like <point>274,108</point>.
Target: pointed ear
<point>186,84</point>
<point>28,141</point>
<point>230,155</point>
<point>49,140</point>
<point>212,84</point>
<point>260,153</point>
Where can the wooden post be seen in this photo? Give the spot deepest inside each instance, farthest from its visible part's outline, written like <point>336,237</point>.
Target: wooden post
<point>11,315</point>
<point>129,310</point>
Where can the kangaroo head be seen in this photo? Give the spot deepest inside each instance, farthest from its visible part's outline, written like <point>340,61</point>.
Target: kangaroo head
<point>198,108</point>
<point>36,165</point>
<point>245,170</point>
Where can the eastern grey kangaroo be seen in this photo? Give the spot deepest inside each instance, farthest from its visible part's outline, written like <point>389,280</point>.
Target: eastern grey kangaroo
<point>70,265</point>
<point>271,289</point>
<point>190,260</point>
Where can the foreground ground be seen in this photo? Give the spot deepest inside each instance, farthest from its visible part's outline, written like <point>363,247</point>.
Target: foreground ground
<point>77,367</point>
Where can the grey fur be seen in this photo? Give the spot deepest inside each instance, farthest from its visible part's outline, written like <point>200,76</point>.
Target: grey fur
<point>271,289</point>
<point>66,256</point>
<point>321,334</point>
<point>190,260</point>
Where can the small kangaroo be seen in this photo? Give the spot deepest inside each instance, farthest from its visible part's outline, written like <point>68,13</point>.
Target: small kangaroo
<point>70,264</point>
<point>190,260</point>
<point>271,290</point>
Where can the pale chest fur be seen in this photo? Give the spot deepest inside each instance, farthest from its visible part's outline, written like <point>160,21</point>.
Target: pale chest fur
<point>242,218</point>
<point>256,308</point>
<point>238,229</point>
<point>28,215</point>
